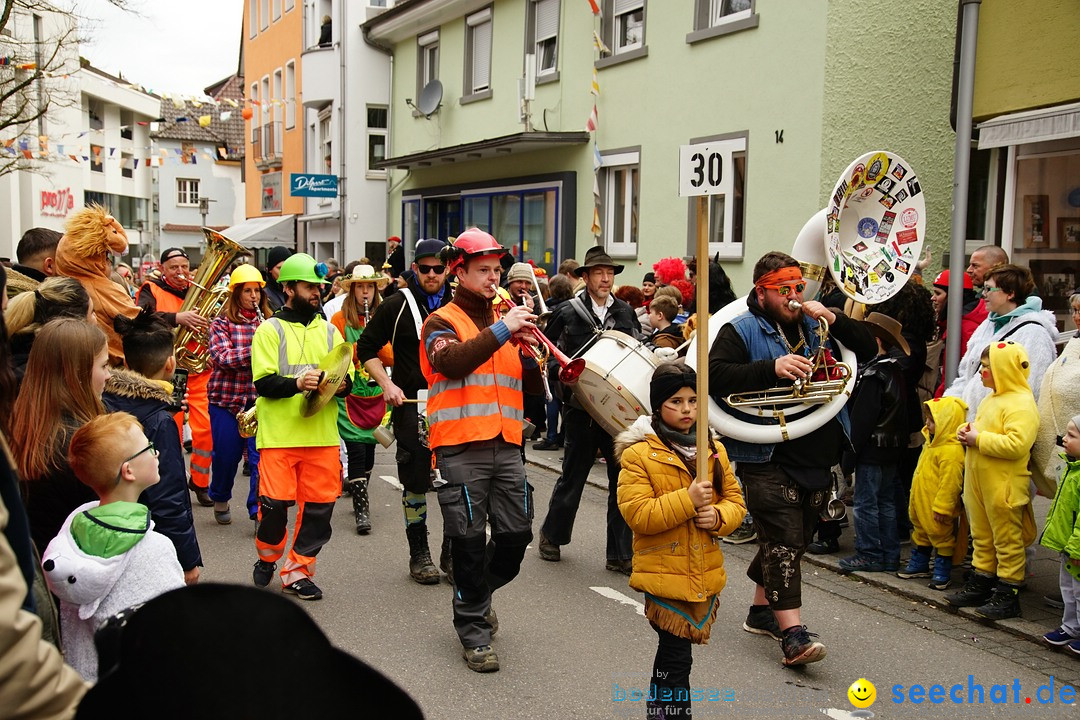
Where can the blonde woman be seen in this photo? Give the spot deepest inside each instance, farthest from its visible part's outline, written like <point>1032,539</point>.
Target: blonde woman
<point>27,312</point>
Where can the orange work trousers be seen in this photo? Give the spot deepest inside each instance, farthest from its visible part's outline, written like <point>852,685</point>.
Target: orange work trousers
<point>310,477</point>
<point>202,441</point>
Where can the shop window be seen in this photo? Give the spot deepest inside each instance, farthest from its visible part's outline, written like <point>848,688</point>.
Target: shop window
<point>620,179</point>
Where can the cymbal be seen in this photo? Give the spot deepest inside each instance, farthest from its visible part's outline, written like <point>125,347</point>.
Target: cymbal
<point>334,368</point>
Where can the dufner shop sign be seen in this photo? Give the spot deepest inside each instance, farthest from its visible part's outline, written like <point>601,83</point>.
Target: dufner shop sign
<point>308,185</point>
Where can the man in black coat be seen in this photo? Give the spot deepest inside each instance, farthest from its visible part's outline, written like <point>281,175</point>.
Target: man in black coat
<point>575,324</point>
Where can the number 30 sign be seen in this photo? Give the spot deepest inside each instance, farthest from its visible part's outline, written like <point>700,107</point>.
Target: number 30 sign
<point>706,168</point>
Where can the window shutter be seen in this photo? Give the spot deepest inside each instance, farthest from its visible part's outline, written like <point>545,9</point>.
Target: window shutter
<point>547,19</point>
<point>622,6</point>
<point>481,56</point>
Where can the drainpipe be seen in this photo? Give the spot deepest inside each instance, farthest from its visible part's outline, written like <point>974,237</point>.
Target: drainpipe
<point>388,50</point>
<point>343,193</point>
<point>969,30</point>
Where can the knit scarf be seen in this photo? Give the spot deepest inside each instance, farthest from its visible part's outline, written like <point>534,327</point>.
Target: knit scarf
<point>683,443</point>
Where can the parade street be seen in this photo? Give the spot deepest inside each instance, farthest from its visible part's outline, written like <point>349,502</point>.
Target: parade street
<point>574,644</point>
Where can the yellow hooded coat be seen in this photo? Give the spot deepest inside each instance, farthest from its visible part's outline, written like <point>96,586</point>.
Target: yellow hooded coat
<point>996,491</point>
<point>939,476</point>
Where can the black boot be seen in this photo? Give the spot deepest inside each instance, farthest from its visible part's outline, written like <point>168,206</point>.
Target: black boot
<point>421,568</point>
<point>446,560</point>
<point>358,488</point>
<point>1003,603</point>
<point>976,591</point>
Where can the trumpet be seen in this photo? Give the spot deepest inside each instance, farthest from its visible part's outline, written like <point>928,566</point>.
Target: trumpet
<point>569,370</point>
<point>246,423</point>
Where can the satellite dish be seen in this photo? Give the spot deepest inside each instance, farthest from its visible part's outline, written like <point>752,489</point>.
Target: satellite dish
<point>430,98</point>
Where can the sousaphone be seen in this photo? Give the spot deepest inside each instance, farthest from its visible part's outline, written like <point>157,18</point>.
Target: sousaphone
<point>868,238</point>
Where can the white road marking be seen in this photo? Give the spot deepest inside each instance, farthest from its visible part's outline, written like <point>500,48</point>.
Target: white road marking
<point>393,481</point>
<point>620,598</point>
<point>846,714</point>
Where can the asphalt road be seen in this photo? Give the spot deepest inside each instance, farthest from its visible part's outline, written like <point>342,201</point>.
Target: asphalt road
<point>573,640</point>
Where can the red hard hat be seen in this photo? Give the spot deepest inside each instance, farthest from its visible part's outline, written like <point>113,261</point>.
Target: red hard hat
<point>942,281</point>
<point>475,242</point>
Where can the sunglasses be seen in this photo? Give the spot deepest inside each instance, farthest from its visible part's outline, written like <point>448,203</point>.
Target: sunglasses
<point>785,290</point>
<point>149,448</point>
<point>428,269</point>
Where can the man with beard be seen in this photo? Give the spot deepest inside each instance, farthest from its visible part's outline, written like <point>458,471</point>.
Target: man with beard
<point>397,321</point>
<point>298,456</point>
<point>165,296</point>
<point>572,326</point>
<point>773,343</point>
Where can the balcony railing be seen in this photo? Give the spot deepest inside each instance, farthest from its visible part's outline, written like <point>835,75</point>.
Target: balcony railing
<point>274,140</point>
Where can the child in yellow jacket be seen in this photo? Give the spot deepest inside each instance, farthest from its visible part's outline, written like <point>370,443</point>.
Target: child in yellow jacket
<point>935,492</point>
<point>996,479</point>
<point>677,520</point>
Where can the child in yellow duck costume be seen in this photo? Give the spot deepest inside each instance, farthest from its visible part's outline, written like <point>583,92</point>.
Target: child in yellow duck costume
<point>996,479</point>
<point>935,492</point>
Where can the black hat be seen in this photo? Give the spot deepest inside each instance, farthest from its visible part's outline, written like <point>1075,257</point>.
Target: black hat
<point>178,639</point>
<point>277,255</point>
<point>649,277</point>
<point>174,252</point>
<point>596,256</point>
<point>667,380</point>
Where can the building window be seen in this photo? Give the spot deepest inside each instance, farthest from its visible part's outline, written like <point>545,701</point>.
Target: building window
<point>187,192</point>
<point>376,137</point>
<point>290,94</point>
<point>96,163</point>
<point>256,127</point>
<point>127,124</point>
<point>326,141</point>
<point>726,209</point>
<point>624,25</point>
<point>127,165</point>
<point>713,18</point>
<point>620,176</point>
<point>544,29</point>
<point>289,5</point>
<point>253,17</point>
<point>427,66</point>
<point>478,52</point>
<point>277,9</point>
<point>524,219</point>
<point>264,16</point>
<point>96,113</point>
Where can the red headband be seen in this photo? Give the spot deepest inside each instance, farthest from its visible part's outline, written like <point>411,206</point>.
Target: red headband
<point>782,276</point>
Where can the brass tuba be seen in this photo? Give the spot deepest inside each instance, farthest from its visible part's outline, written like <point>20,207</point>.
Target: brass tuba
<point>247,424</point>
<point>193,346</point>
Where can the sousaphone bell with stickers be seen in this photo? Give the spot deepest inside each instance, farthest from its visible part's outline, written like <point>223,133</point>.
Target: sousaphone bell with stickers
<point>868,238</point>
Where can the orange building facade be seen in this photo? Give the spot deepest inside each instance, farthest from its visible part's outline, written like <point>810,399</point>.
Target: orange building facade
<point>273,33</point>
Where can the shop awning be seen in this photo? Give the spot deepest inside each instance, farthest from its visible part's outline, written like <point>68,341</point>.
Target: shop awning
<point>1031,126</point>
<point>264,232</point>
<point>493,147</point>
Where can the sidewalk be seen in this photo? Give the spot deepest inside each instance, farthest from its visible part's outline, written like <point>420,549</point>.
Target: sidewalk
<point>1037,617</point>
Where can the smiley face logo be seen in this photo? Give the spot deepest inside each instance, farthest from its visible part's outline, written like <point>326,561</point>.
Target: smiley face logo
<point>862,693</point>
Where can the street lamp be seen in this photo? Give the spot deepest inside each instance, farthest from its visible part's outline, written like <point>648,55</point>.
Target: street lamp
<point>204,208</point>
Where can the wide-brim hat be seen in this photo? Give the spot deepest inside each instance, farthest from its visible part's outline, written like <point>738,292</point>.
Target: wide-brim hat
<point>365,274</point>
<point>888,329</point>
<point>596,256</point>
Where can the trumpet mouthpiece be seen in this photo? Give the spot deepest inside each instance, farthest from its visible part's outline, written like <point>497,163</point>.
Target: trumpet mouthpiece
<point>794,304</point>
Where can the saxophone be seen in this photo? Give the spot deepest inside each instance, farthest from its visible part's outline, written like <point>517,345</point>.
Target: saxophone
<point>193,346</point>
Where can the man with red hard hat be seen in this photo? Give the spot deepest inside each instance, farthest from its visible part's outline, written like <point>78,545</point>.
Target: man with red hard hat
<point>477,378</point>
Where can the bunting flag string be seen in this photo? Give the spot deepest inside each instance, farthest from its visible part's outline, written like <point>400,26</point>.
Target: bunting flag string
<point>591,126</point>
<point>595,7</point>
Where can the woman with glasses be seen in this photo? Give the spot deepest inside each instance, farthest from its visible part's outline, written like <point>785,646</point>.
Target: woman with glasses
<point>54,402</point>
<point>1015,313</point>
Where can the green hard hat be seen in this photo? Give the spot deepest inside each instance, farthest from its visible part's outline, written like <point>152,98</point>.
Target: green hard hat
<point>302,267</point>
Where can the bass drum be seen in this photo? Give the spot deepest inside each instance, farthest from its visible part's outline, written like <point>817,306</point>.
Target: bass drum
<point>614,386</point>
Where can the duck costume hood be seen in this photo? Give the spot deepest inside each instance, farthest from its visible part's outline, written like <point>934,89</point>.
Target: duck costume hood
<point>83,253</point>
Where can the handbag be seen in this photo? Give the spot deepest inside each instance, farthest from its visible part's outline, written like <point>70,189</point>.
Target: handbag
<point>365,411</point>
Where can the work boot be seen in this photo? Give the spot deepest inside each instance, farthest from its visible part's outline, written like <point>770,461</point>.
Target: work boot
<point>421,568</point>
<point>358,488</point>
<point>942,572</point>
<point>1003,603</point>
<point>446,560</point>
<point>976,591</point>
<point>918,565</point>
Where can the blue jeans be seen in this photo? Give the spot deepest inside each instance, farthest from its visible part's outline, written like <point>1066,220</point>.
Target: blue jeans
<point>228,451</point>
<point>875,513</point>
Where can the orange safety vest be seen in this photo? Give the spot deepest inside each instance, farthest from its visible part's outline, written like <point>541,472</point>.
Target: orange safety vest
<point>480,406</point>
<point>166,301</point>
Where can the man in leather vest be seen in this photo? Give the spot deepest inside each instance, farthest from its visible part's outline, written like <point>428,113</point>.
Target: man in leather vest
<point>785,484</point>
<point>476,413</point>
<point>573,325</point>
<point>397,321</point>
<point>165,295</point>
